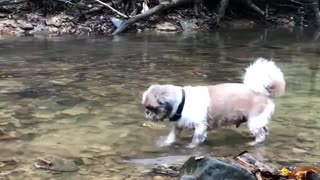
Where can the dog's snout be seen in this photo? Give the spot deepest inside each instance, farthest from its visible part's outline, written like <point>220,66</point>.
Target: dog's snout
<point>148,115</point>
<point>148,112</point>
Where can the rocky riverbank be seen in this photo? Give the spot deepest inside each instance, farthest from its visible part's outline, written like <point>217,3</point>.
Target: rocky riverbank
<point>33,23</point>
<point>59,24</point>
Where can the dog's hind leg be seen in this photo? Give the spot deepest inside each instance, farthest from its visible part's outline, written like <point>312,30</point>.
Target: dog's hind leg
<point>258,124</point>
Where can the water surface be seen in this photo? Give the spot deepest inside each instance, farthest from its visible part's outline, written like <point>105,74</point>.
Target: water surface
<point>80,98</point>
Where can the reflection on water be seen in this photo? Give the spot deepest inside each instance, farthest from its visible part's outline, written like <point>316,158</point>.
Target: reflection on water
<point>80,98</point>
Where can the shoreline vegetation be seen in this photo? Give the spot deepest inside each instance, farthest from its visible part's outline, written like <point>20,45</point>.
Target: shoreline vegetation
<point>101,17</point>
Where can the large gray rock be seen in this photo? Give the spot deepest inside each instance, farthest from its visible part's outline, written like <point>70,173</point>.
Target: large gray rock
<point>209,168</point>
<point>25,25</point>
<point>189,26</point>
<point>312,176</point>
<point>166,26</point>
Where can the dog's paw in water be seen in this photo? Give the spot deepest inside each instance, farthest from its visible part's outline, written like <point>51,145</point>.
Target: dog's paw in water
<point>164,142</point>
<point>254,143</point>
<point>191,145</point>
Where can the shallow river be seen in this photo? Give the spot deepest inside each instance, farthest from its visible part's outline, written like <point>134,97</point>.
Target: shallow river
<point>79,98</point>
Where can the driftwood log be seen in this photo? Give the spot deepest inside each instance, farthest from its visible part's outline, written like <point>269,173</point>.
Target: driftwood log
<point>157,9</point>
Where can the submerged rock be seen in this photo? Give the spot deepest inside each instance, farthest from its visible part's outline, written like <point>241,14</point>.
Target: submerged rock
<point>31,120</point>
<point>34,93</point>
<point>8,164</point>
<point>75,111</point>
<point>9,86</point>
<point>7,136</point>
<point>56,163</point>
<point>212,168</point>
<point>70,101</point>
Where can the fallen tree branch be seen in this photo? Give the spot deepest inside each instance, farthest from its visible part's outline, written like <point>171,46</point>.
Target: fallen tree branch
<point>92,10</point>
<point>112,9</point>
<point>255,8</point>
<point>136,18</point>
<point>150,12</point>
<point>11,2</point>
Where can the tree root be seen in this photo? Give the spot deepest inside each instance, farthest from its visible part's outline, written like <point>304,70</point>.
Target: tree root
<point>255,8</point>
<point>196,6</point>
<point>157,9</point>
<point>313,7</point>
<point>221,9</point>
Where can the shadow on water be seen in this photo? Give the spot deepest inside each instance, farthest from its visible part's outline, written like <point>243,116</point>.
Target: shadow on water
<point>80,97</point>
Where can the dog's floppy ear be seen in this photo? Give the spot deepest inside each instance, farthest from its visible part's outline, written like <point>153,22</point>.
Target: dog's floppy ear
<point>151,90</point>
<point>144,97</point>
<point>164,100</point>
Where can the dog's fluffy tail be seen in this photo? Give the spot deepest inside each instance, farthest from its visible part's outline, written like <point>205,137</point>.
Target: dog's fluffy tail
<point>265,77</point>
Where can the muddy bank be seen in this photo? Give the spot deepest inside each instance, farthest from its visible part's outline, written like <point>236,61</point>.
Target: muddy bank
<point>96,19</point>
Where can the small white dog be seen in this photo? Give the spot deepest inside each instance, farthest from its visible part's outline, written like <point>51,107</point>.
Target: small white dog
<point>204,108</point>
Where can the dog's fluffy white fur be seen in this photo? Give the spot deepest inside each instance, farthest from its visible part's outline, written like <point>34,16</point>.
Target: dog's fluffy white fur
<point>211,107</point>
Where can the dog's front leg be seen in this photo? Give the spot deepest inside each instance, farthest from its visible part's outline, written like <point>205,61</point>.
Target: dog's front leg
<point>175,131</point>
<point>199,136</point>
<point>260,135</point>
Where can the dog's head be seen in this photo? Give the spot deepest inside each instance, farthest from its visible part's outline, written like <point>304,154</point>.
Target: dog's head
<point>160,101</point>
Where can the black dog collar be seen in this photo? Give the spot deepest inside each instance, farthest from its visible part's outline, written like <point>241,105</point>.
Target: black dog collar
<point>177,115</point>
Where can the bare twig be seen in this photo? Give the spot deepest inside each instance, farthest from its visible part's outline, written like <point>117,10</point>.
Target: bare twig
<point>150,12</point>
<point>114,10</point>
